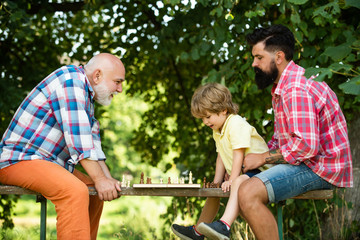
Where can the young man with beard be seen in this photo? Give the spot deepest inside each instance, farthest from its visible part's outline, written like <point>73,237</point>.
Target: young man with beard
<point>310,142</point>
<point>53,130</point>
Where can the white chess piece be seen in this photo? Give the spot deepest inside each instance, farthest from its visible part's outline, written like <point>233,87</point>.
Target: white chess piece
<point>182,180</point>
<point>190,178</point>
<point>161,181</point>
<point>123,183</point>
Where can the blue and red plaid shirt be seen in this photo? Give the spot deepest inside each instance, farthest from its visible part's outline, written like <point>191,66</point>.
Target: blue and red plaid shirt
<point>55,122</point>
<point>310,127</point>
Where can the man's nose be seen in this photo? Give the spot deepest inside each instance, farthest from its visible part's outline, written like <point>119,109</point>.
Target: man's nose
<point>254,63</point>
<point>119,89</point>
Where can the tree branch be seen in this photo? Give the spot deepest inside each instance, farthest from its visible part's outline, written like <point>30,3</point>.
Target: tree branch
<point>151,16</point>
<point>183,90</point>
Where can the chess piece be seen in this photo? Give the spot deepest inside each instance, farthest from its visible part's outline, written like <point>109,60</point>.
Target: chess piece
<point>148,180</point>
<point>128,183</point>
<point>142,178</point>
<point>161,181</point>
<point>190,178</point>
<point>169,180</point>
<point>182,180</point>
<point>123,182</point>
<point>204,182</point>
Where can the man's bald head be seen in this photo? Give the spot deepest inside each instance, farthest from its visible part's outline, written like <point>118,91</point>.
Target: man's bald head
<point>104,62</point>
<point>105,71</point>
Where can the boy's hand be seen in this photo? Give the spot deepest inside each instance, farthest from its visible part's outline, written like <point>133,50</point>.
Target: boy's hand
<point>226,186</point>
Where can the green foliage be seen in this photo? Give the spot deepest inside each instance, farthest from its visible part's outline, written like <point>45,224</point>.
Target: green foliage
<point>169,48</point>
<point>7,203</point>
<point>120,219</point>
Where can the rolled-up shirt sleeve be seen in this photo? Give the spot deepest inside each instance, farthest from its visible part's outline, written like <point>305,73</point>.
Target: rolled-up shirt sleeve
<point>70,106</point>
<point>273,143</point>
<point>97,152</point>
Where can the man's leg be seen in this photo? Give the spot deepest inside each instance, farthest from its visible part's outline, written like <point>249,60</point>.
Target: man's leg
<point>253,198</point>
<point>67,192</point>
<point>95,206</point>
<point>278,183</point>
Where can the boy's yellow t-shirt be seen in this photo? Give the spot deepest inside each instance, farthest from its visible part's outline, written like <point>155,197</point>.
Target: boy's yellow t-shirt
<point>237,133</point>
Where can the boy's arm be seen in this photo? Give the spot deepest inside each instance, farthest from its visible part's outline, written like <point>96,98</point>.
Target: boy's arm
<point>219,170</point>
<point>238,157</point>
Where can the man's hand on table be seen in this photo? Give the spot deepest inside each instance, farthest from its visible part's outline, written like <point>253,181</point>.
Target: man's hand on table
<point>107,188</point>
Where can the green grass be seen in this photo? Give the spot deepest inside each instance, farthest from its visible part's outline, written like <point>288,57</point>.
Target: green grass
<point>129,217</point>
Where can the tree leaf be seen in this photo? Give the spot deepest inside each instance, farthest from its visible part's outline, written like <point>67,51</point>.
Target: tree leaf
<point>339,52</point>
<point>352,3</point>
<point>352,86</point>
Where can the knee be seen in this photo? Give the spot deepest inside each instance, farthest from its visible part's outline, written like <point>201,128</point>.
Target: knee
<point>245,197</point>
<point>239,180</point>
<point>81,190</point>
<point>250,194</point>
<point>78,191</point>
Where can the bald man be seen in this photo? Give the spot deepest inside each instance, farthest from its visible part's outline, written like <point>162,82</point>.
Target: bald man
<point>53,130</point>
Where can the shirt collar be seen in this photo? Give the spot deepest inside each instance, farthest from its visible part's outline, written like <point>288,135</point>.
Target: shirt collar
<point>284,76</point>
<point>91,90</point>
<point>224,126</point>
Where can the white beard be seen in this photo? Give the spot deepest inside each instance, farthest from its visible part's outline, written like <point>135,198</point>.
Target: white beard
<point>102,94</point>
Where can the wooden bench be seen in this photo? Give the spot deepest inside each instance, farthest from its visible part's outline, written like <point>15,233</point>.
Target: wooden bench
<point>164,192</point>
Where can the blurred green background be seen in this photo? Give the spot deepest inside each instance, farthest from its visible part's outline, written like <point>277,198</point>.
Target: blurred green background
<point>169,48</point>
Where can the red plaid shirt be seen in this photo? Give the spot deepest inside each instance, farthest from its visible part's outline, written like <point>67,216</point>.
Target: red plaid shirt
<point>310,127</point>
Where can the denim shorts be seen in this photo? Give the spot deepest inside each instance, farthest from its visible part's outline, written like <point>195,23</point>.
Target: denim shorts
<point>252,173</point>
<point>284,181</point>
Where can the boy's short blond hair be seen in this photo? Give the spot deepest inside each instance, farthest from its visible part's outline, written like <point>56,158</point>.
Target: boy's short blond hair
<point>212,98</point>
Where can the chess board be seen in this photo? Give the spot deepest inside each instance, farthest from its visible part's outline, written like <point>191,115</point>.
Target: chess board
<point>164,185</point>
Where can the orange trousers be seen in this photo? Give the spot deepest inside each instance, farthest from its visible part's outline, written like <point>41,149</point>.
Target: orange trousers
<point>78,214</point>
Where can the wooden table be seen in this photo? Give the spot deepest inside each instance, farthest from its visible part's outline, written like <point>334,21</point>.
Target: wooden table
<point>161,192</point>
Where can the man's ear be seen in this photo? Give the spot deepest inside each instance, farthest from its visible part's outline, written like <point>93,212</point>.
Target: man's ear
<point>96,76</point>
<point>279,57</point>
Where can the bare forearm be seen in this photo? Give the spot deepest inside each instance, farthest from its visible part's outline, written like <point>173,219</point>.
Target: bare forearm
<point>93,169</point>
<point>219,170</point>
<point>238,157</point>
<point>105,169</point>
<point>275,157</point>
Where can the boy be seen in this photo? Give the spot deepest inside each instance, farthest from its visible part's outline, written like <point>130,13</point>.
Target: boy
<point>234,138</point>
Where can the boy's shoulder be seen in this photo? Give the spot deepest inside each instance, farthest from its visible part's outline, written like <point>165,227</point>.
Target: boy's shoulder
<point>236,121</point>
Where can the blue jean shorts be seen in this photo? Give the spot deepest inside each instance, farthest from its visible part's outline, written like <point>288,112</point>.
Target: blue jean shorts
<point>284,181</point>
<point>252,173</point>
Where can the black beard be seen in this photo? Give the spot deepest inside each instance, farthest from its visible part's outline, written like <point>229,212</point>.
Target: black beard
<point>265,79</point>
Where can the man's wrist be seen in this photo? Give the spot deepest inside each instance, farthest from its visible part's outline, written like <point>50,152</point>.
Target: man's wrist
<point>275,157</point>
